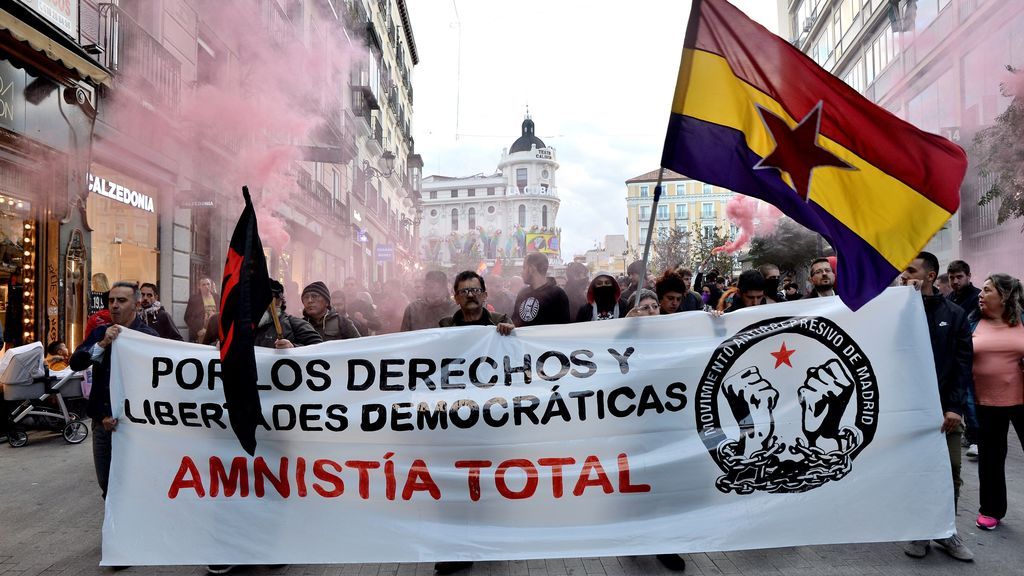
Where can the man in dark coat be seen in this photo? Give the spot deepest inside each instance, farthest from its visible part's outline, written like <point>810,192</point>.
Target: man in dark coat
<point>294,331</point>
<point>95,352</point>
<point>331,324</point>
<point>154,314</point>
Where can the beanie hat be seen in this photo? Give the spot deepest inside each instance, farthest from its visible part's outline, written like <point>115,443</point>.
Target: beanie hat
<point>320,288</point>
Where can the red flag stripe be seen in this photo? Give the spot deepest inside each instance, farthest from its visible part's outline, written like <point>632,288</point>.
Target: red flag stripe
<point>849,119</point>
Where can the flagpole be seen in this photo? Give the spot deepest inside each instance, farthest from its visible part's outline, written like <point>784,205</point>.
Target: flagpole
<point>689,41</point>
<point>650,234</point>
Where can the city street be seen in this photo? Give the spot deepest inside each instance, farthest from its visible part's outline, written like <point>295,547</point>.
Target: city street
<point>51,512</point>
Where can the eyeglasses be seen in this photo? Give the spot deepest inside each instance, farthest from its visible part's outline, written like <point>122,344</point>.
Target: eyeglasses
<point>649,307</point>
<point>820,271</point>
<point>469,291</point>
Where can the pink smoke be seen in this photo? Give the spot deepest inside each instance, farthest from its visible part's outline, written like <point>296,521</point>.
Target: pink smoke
<point>752,217</point>
<point>268,94</point>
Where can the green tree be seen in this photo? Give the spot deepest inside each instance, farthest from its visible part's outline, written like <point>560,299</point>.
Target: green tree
<point>671,251</point>
<point>999,150</point>
<point>790,246</point>
<point>702,251</point>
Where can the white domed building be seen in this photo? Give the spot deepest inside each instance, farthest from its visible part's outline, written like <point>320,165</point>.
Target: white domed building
<point>482,219</point>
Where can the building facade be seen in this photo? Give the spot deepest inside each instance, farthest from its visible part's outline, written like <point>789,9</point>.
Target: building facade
<point>937,64</point>
<point>479,220</point>
<point>612,256</point>
<point>686,205</point>
<point>131,125</point>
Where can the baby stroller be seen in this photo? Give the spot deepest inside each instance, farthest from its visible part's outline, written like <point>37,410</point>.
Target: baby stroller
<point>24,376</point>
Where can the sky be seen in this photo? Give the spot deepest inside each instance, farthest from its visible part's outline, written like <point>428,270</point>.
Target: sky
<point>597,78</point>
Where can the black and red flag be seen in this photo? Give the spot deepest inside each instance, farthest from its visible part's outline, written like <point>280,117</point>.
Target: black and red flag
<point>245,297</point>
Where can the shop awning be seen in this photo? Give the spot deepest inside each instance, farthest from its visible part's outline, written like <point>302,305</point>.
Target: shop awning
<point>53,50</point>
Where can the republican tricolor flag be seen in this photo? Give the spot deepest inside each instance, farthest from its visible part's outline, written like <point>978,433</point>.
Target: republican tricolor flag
<point>753,114</point>
<point>244,299</point>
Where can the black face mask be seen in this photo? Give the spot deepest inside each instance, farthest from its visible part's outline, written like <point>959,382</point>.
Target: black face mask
<point>605,296</point>
<point>771,287</point>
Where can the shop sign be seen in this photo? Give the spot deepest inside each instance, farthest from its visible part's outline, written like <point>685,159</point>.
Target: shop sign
<point>61,13</point>
<point>12,97</point>
<point>544,154</point>
<point>385,253</point>
<point>115,191</point>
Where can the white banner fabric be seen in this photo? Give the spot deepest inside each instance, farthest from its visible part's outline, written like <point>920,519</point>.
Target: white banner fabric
<point>792,424</point>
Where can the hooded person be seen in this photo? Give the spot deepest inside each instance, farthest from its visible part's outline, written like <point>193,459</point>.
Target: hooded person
<point>603,300</point>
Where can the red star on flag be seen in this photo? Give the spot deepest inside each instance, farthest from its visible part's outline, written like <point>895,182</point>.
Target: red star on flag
<point>797,152</point>
<point>782,356</point>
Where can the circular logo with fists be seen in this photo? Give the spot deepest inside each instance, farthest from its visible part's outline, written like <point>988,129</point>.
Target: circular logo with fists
<point>785,405</point>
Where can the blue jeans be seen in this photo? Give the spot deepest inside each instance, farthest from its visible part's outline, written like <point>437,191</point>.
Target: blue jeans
<point>972,429</point>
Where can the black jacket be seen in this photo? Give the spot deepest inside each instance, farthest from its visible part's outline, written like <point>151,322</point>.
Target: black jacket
<point>545,305</point>
<point>295,330</point>
<point>952,349</point>
<point>334,326</point>
<point>967,298</point>
<point>487,319</point>
<point>98,407</point>
<point>159,320</point>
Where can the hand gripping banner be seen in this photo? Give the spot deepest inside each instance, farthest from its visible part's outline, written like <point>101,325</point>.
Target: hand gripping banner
<point>791,424</point>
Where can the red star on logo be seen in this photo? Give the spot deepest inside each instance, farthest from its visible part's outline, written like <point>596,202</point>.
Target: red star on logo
<point>782,356</point>
<point>797,152</point>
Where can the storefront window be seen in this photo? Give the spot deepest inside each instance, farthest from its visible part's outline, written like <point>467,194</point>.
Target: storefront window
<point>122,214</point>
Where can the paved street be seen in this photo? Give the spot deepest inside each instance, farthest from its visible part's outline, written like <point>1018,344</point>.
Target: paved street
<point>50,517</point>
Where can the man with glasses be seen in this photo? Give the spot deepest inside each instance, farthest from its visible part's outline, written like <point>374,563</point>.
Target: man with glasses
<point>823,279</point>
<point>471,296</point>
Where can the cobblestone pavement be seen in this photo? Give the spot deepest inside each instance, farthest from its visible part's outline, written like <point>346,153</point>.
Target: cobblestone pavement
<point>51,514</point>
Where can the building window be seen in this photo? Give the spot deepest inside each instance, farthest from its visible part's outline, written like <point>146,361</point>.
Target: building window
<point>490,191</point>
<point>455,219</point>
<point>662,232</point>
<point>662,212</point>
<point>455,193</point>
<point>644,192</point>
<point>682,211</point>
<point>433,194</point>
<point>521,179</point>
<point>522,214</point>
<point>472,192</point>
<point>709,233</point>
<point>544,216</point>
<point>645,212</point>
<point>643,235</point>
<point>707,210</point>
<point>708,189</point>
<point>471,217</point>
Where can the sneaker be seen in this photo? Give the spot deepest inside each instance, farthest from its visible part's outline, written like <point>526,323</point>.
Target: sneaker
<point>986,522</point>
<point>451,567</point>
<point>955,547</point>
<point>916,548</point>
<point>673,562</point>
<point>972,452</point>
<point>219,568</point>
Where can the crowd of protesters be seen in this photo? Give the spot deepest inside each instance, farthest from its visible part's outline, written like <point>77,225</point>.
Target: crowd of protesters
<point>977,337</point>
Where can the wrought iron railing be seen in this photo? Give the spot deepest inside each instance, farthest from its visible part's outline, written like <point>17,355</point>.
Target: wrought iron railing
<point>130,51</point>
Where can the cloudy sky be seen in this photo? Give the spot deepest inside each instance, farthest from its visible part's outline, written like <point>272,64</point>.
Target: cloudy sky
<point>597,76</point>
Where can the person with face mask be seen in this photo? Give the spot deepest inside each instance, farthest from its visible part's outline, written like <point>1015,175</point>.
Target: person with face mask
<point>603,300</point>
<point>771,274</point>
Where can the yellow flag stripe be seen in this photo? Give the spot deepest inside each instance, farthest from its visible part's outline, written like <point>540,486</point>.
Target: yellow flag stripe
<point>882,210</point>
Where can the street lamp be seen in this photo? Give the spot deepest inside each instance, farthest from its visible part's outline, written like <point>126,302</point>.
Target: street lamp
<point>389,164</point>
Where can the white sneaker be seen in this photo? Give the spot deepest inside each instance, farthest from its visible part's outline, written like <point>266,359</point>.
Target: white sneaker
<point>972,452</point>
<point>955,547</point>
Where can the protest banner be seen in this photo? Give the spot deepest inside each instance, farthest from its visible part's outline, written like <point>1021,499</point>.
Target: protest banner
<point>791,424</point>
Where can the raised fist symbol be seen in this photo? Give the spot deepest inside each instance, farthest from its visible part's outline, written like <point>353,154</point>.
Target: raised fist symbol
<point>824,396</point>
<point>752,399</point>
